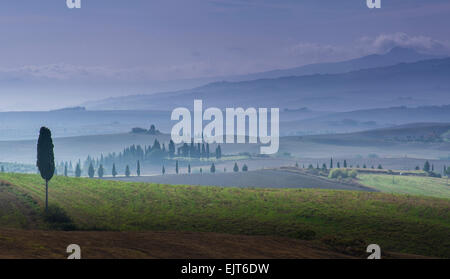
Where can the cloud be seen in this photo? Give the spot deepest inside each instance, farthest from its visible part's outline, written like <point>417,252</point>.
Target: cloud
<point>385,42</point>
<point>58,72</point>
<point>307,52</point>
<point>202,65</point>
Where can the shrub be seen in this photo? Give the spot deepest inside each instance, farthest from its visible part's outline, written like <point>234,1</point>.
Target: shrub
<point>353,173</point>
<point>342,173</point>
<point>433,174</point>
<point>337,173</point>
<point>58,219</point>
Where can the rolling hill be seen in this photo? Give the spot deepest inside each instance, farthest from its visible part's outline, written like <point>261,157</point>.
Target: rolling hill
<point>409,133</point>
<point>342,221</point>
<point>368,119</point>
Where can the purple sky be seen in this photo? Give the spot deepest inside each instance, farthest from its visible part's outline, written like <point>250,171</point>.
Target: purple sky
<point>148,41</point>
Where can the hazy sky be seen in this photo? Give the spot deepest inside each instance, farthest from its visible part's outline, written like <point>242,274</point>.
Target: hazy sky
<point>167,39</point>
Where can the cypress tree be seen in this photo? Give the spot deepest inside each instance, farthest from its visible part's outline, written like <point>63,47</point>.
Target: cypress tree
<point>101,171</point>
<point>114,171</point>
<point>91,171</point>
<point>447,172</point>
<point>138,171</point>
<point>244,168</point>
<point>236,168</point>
<point>426,166</point>
<point>213,168</point>
<point>171,148</point>
<point>127,171</point>
<point>78,170</point>
<point>45,159</point>
<point>176,167</point>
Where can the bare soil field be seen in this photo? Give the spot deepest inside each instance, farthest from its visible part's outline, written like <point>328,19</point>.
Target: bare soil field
<point>32,244</point>
<point>268,178</point>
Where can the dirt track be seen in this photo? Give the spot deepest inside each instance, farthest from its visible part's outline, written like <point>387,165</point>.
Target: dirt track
<point>167,245</point>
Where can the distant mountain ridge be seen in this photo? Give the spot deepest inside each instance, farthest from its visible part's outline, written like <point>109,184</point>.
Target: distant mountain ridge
<point>394,56</point>
<point>419,83</point>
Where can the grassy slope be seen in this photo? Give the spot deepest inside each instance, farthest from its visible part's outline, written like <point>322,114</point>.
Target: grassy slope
<point>412,185</point>
<point>399,223</point>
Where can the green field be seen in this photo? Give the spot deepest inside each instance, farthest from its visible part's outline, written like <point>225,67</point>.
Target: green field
<point>411,185</point>
<point>344,220</point>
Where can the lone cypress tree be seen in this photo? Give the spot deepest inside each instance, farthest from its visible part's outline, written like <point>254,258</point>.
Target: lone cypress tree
<point>65,169</point>
<point>213,168</point>
<point>331,163</point>
<point>189,168</point>
<point>45,158</point>
<point>163,170</point>
<point>176,167</point>
<point>127,171</point>
<point>138,171</point>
